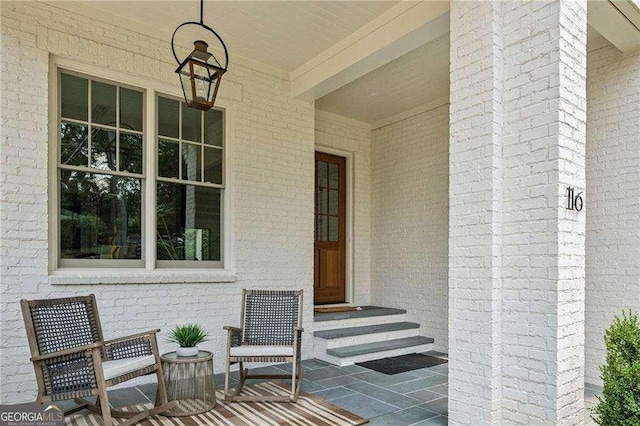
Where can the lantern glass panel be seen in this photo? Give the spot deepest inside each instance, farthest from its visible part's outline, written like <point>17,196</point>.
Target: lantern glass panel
<point>202,83</point>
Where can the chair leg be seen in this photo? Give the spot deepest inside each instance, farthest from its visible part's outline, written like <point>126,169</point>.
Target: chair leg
<point>161,393</point>
<point>103,402</point>
<point>229,396</point>
<point>294,371</point>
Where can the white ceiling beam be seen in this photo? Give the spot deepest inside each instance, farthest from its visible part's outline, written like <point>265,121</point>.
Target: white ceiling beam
<point>399,30</point>
<point>618,21</point>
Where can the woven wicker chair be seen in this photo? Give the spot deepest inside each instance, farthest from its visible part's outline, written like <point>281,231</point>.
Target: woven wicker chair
<point>271,332</point>
<point>72,360</point>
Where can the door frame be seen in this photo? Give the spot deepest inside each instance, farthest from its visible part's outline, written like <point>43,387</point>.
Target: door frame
<point>349,291</point>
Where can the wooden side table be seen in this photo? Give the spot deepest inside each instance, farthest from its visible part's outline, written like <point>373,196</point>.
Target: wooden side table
<point>189,381</point>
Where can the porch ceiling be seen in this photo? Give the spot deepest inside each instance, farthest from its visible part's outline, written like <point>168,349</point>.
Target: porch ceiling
<point>282,34</point>
<point>286,36</point>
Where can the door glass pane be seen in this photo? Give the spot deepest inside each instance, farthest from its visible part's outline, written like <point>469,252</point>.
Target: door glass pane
<point>321,178</point>
<point>75,144</point>
<point>188,225</point>
<point>74,97</point>
<point>191,124</point>
<point>322,228</point>
<point>130,109</point>
<point>333,176</point>
<point>333,228</point>
<point>168,117</point>
<point>130,152</point>
<point>213,165</point>
<point>191,162</point>
<point>323,194</point>
<point>100,216</point>
<point>103,149</point>
<point>333,201</point>
<point>168,159</point>
<point>103,103</point>
<point>213,127</point>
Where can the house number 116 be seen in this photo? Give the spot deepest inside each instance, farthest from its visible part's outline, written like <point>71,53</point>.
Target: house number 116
<point>574,201</point>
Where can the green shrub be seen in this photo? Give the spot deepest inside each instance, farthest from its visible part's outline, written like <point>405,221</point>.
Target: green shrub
<point>187,335</point>
<point>620,400</point>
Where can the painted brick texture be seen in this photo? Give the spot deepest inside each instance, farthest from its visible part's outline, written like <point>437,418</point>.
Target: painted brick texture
<point>475,203</point>
<point>272,174</point>
<point>344,134</point>
<point>518,108</point>
<point>410,220</point>
<point>612,196</point>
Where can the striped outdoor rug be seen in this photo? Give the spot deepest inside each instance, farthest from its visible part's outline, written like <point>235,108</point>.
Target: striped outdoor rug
<point>310,410</point>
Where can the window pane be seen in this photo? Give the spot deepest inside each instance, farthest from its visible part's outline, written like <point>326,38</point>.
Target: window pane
<point>100,216</point>
<point>191,162</point>
<point>333,228</point>
<point>103,103</point>
<point>333,175</point>
<point>191,124</point>
<point>321,178</point>
<point>75,144</point>
<point>168,115</point>
<point>213,165</point>
<point>333,201</point>
<point>213,129</point>
<point>74,97</point>
<point>130,152</point>
<point>130,109</point>
<point>103,149</point>
<point>188,222</point>
<point>168,159</point>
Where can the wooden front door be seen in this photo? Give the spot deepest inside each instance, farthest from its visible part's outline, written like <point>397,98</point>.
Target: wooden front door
<point>330,240</point>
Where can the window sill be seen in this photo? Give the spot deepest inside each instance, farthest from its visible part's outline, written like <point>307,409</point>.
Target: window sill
<point>120,276</point>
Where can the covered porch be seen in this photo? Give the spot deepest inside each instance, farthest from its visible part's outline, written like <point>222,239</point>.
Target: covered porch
<point>460,125</point>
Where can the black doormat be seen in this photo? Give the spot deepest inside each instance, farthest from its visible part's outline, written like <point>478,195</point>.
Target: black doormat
<point>402,363</point>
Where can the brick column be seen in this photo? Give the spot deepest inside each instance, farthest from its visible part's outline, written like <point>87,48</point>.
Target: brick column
<point>516,271</point>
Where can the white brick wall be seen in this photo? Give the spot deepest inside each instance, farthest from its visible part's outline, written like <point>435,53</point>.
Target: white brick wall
<point>518,113</point>
<point>353,136</point>
<point>612,197</point>
<point>475,217</point>
<point>410,220</point>
<point>543,243</point>
<point>272,166</point>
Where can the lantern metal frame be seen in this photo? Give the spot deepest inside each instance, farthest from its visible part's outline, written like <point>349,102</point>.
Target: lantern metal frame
<point>218,71</point>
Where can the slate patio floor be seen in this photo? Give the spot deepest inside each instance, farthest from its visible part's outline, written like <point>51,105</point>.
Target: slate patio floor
<point>416,397</point>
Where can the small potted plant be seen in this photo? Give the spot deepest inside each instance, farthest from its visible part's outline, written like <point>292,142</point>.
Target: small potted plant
<point>187,336</point>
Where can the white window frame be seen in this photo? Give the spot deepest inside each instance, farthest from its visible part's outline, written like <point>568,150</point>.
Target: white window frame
<point>150,272</point>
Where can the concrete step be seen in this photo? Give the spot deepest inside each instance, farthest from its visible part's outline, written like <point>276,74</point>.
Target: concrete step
<point>369,315</point>
<point>349,355</point>
<point>349,336</point>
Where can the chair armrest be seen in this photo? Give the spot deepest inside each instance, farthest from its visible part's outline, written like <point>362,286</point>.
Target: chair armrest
<point>70,351</point>
<point>234,336</point>
<point>135,345</point>
<point>298,329</point>
<point>131,337</point>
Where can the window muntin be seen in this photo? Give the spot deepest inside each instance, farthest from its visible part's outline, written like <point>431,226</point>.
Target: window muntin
<point>100,173</point>
<point>102,180</point>
<point>189,186</point>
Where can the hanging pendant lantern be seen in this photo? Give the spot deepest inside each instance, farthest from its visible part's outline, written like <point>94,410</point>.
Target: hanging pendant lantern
<point>200,72</point>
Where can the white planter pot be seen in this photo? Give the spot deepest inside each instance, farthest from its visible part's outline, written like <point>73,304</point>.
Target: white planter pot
<point>187,351</point>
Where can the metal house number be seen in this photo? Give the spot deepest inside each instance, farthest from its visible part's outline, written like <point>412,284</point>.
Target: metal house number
<point>574,201</point>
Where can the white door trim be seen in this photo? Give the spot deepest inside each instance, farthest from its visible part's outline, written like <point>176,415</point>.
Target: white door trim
<point>349,185</point>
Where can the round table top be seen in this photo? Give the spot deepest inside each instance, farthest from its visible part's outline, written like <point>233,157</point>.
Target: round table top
<point>173,357</point>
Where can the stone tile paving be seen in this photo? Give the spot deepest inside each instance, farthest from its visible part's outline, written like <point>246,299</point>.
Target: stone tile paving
<point>416,397</point>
